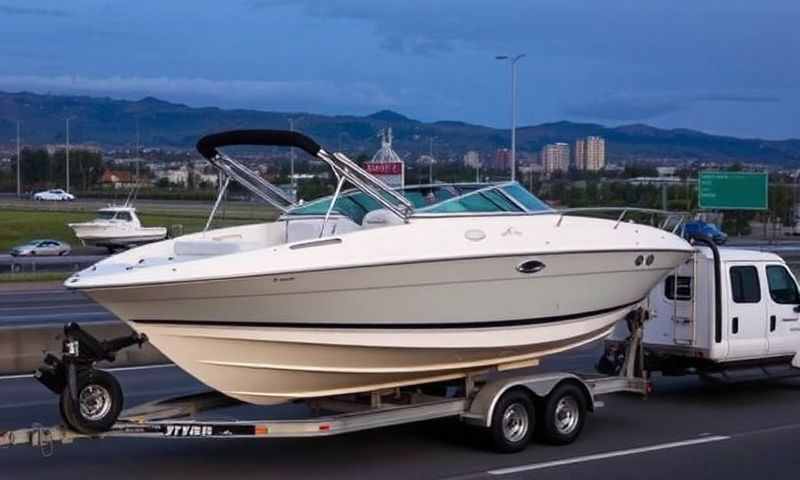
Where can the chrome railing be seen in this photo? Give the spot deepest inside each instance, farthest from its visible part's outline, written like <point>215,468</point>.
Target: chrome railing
<point>673,221</point>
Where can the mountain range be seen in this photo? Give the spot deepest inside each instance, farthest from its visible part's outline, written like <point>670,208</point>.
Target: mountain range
<point>112,123</point>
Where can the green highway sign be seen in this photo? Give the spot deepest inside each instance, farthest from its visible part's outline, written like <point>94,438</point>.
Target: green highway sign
<point>732,190</point>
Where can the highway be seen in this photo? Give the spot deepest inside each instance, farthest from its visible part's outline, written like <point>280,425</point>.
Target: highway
<point>48,304</point>
<point>686,429</point>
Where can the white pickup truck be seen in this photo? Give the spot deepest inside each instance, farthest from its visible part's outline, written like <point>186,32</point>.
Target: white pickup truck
<point>727,313</point>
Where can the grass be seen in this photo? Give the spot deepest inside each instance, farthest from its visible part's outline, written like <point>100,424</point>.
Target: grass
<point>20,226</point>
<point>34,277</point>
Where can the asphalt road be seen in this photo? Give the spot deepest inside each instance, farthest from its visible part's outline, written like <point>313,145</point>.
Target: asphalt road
<point>50,304</point>
<point>686,429</point>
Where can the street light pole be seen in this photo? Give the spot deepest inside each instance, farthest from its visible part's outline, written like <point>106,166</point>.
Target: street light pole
<point>67,152</point>
<point>291,162</point>
<point>19,173</point>
<point>430,163</point>
<point>138,151</point>
<point>513,60</point>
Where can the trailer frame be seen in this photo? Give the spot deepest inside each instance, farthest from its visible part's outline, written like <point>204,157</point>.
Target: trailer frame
<point>473,399</point>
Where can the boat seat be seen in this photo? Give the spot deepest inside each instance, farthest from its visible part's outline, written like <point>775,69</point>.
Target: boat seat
<point>299,229</point>
<point>212,247</point>
<point>380,218</point>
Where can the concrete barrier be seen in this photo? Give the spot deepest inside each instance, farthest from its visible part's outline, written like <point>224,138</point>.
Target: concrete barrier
<point>22,348</point>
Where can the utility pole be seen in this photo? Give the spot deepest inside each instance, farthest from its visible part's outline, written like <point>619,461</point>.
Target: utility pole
<point>138,149</point>
<point>291,163</point>
<point>430,163</point>
<point>513,60</point>
<point>19,172</point>
<point>67,152</point>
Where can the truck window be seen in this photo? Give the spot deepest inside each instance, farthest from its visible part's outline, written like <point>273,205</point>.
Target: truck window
<point>683,291</point>
<point>744,285</point>
<point>782,288</point>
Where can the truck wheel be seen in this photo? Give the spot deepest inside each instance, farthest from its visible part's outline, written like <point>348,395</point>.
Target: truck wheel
<point>512,422</point>
<point>563,415</point>
<point>98,405</point>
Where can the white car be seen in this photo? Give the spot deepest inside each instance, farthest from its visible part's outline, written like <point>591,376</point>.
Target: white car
<point>56,194</point>
<point>41,248</point>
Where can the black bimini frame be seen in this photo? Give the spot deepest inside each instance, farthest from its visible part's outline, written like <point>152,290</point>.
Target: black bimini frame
<point>343,168</point>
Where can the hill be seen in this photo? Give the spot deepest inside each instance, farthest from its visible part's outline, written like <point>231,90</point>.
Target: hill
<point>112,122</point>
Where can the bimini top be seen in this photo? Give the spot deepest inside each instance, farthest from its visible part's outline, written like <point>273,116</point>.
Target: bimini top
<point>433,200</point>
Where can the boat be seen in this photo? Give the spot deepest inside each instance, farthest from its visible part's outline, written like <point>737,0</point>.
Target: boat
<point>116,227</point>
<point>377,287</point>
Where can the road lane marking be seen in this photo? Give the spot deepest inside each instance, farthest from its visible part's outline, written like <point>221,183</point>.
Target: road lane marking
<point>602,456</point>
<point>117,369</point>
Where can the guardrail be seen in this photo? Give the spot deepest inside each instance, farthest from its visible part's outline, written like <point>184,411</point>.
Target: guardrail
<point>30,265</point>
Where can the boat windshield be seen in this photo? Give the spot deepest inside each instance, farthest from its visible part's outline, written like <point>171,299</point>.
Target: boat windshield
<point>114,215</point>
<point>507,197</point>
<point>434,199</point>
<point>101,215</point>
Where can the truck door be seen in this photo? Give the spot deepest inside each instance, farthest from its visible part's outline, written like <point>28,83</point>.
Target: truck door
<point>678,289</point>
<point>747,315</point>
<point>783,331</point>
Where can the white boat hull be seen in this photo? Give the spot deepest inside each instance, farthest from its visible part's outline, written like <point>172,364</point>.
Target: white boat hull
<point>270,365</point>
<point>114,235</point>
<point>271,338</point>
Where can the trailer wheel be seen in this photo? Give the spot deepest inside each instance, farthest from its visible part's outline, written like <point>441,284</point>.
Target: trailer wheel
<point>563,415</point>
<point>512,422</point>
<point>98,405</point>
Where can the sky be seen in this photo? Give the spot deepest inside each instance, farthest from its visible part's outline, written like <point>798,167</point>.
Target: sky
<point>722,66</point>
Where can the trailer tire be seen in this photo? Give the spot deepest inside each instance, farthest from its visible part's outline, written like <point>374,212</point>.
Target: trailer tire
<point>563,414</point>
<point>99,402</point>
<point>513,421</point>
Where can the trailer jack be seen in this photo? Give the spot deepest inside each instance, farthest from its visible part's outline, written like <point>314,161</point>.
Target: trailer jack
<point>90,399</point>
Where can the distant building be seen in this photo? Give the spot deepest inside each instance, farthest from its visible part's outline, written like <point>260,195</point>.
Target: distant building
<point>175,176</point>
<point>580,154</point>
<point>666,171</point>
<point>210,179</point>
<point>117,179</point>
<point>472,159</point>
<point>590,154</point>
<point>502,159</point>
<point>555,157</point>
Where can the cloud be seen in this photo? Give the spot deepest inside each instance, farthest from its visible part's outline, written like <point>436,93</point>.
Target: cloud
<point>32,11</point>
<point>645,107</point>
<point>738,98</point>
<point>229,93</point>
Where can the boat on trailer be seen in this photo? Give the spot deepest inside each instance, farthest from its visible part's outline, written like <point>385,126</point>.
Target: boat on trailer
<point>377,288</point>
<point>116,227</point>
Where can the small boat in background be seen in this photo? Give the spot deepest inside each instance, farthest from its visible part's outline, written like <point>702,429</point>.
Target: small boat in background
<point>116,227</point>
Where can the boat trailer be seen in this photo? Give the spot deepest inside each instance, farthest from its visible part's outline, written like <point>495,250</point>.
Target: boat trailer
<point>510,408</point>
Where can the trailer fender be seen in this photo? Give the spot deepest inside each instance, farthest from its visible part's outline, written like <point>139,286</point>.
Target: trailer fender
<point>539,386</point>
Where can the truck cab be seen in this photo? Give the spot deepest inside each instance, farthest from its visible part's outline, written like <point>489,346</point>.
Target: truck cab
<point>723,308</point>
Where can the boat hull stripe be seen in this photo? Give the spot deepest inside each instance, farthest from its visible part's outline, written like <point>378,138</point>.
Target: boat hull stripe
<point>389,326</point>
